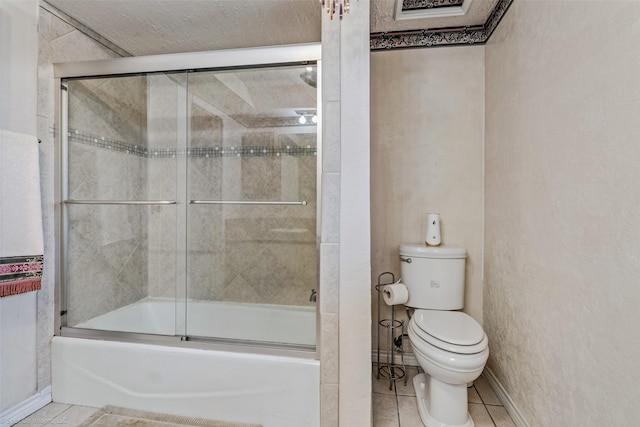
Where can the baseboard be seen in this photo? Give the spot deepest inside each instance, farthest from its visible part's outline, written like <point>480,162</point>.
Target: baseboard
<point>25,408</point>
<point>504,397</point>
<point>409,358</point>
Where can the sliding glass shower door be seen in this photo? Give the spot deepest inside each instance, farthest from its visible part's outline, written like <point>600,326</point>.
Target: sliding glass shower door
<point>252,257</point>
<point>189,204</point>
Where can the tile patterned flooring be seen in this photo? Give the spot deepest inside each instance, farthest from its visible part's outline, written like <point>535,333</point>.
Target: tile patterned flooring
<point>398,408</point>
<point>391,408</point>
<point>58,414</point>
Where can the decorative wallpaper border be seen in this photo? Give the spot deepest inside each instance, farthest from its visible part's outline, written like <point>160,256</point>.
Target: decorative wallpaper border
<point>441,36</point>
<point>214,152</point>
<point>20,274</point>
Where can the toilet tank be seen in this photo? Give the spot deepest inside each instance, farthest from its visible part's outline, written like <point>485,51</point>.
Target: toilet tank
<point>434,276</point>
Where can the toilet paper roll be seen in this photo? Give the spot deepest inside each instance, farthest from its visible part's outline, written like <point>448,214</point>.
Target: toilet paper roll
<point>396,293</point>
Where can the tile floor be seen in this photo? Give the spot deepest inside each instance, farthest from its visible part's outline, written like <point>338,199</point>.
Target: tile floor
<point>398,408</point>
<point>58,414</point>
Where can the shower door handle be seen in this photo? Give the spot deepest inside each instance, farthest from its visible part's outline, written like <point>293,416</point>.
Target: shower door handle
<point>245,202</point>
<point>120,202</point>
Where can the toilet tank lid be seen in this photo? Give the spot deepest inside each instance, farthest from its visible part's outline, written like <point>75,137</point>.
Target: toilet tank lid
<point>423,251</point>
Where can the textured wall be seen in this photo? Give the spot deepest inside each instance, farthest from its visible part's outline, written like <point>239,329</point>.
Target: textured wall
<point>562,259</point>
<point>18,328</point>
<point>426,155</point>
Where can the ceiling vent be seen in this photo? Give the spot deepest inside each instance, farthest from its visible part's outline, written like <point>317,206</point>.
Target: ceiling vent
<point>421,9</point>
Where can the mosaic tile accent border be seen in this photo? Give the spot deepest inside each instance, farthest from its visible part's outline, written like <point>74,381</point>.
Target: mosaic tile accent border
<point>106,143</point>
<point>441,36</point>
<point>216,151</point>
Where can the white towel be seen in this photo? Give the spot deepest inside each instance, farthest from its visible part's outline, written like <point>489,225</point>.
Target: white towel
<point>21,238</point>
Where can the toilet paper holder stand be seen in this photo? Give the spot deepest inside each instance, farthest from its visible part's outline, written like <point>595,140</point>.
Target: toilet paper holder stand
<point>393,331</point>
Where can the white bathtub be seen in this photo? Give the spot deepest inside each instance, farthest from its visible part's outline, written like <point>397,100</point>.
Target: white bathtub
<point>274,391</point>
<point>270,390</point>
<point>254,322</point>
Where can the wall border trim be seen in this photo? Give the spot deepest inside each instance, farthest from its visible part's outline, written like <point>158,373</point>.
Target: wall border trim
<point>18,412</point>
<point>503,396</point>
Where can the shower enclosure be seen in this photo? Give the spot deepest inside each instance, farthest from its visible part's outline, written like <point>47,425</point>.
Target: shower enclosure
<point>189,196</point>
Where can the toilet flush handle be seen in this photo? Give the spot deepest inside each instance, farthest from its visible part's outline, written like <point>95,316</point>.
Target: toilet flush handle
<point>405,259</point>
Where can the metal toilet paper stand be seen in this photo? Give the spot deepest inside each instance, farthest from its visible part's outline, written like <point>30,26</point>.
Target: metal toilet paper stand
<point>393,331</point>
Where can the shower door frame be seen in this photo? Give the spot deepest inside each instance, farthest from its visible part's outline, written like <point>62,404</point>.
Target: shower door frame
<point>259,57</point>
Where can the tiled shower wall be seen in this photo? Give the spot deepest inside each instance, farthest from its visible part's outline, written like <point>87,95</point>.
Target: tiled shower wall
<point>120,254</point>
<point>107,254</point>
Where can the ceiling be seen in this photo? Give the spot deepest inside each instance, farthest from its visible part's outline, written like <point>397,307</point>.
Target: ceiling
<point>148,27</point>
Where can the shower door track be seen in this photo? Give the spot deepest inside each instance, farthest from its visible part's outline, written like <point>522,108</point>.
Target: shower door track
<point>187,341</point>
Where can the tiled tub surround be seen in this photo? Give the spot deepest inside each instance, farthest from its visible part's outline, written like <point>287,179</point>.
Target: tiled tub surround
<point>121,254</point>
<point>259,254</point>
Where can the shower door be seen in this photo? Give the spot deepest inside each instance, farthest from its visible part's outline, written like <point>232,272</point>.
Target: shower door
<point>121,240</point>
<point>251,186</point>
<point>189,204</point>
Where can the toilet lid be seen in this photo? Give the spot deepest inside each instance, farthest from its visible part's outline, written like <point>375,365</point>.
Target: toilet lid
<point>453,327</point>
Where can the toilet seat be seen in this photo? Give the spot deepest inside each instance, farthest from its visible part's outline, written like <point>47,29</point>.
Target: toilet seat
<point>452,331</point>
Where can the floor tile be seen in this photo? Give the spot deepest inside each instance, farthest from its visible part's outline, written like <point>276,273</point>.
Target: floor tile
<point>398,407</point>
<point>380,385</point>
<point>74,416</point>
<point>473,396</point>
<point>384,405</point>
<point>44,415</point>
<point>407,390</point>
<point>408,410</point>
<point>386,422</point>
<point>500,416</point>
<point>486,393</point>
<point>480,415</point>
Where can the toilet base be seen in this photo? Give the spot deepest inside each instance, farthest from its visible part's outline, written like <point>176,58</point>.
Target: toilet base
<point>421,386</point>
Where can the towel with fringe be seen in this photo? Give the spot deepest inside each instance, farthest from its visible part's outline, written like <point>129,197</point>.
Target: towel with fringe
<point>21,238</point>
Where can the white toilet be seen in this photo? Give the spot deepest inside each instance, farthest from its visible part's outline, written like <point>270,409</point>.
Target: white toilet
<point>450,346</point>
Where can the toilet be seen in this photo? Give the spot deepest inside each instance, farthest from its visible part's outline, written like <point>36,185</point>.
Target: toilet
<point>450,346</point>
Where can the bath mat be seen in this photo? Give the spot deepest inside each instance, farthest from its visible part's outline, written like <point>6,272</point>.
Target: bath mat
<point>113,416</point>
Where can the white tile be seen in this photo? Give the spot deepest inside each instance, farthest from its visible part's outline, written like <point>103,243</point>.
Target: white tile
<point>329,280</point>
<point>330,65</point>
<point>329,405</point>
<point>74,416</point>
<point>329,361</point>
<point>330,208</point>
<point>500,416</point>
<point>486,393</point>
<point>480,415</point>
<point>331,137</point>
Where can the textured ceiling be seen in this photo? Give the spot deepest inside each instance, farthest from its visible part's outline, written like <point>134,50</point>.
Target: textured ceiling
<point>148,27</point>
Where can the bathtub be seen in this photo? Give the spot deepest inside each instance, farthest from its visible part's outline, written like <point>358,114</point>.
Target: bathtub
<point>253,322</point>
<point>275,391</point>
